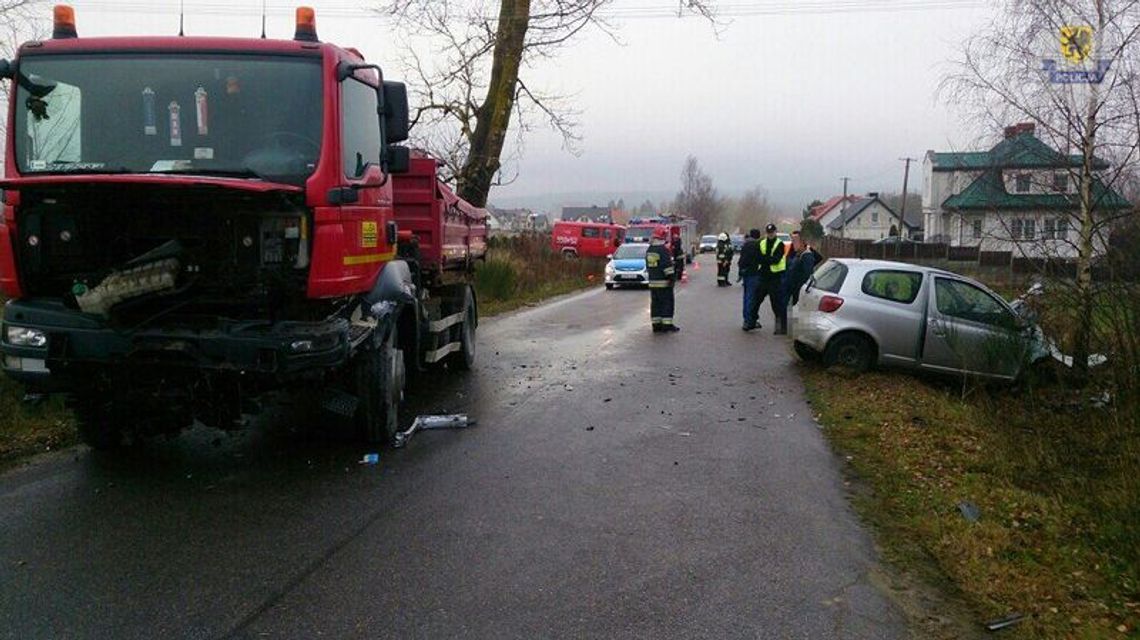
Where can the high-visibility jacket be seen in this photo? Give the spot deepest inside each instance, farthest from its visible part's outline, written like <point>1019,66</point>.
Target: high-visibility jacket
<point>659,264</point>
<point>769,249</point>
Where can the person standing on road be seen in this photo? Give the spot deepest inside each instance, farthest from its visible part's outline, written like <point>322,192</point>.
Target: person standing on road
<point>749,269</point>
<point>800,269</point>
<point>773,263</point>
<point>662,275</point>
<point>723,260</point>
<point>791,253</point>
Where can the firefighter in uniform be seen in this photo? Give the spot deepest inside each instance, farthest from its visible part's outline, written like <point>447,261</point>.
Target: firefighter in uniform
<point>662,275</point>
<point>773,261</point>
<point>724,254</point>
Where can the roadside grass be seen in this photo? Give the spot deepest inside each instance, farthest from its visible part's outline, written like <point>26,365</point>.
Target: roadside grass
<point>26,429</point>
<point>523,271</point>
<point>1056,483</point>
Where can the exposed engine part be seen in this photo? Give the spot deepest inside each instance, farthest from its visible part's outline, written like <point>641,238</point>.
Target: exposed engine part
<point>132,283</point>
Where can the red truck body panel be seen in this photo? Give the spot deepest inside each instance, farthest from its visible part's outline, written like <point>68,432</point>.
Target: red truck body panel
<point>586,239</point>
<point>451,232</point>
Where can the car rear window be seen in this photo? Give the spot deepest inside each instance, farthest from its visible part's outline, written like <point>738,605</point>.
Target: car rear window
<point>830,276</point>
<point>897,286</point>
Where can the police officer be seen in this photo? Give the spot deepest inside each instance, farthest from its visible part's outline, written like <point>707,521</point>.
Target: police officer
<point>773,261</point>
<point>662,275</point>
<point>724,253</point>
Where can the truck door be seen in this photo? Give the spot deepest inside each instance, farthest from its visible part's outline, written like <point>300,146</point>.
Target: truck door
<point>365,214</point>
<point>970,331</point>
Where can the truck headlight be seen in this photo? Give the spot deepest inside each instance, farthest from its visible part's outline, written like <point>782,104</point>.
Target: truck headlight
<point>25,337</point>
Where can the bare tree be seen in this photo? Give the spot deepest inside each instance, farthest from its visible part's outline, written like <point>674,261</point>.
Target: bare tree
<point>750,210</point>
<point>1038,63</point>
<point>472,89</point>
<point>697,198</point>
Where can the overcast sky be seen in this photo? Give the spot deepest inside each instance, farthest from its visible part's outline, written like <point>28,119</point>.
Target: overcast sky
<point>789,100</point>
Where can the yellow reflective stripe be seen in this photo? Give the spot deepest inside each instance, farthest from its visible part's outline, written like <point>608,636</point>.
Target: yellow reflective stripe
<point>369,258</point>
<point>666,321</point>
<point>658,285</point>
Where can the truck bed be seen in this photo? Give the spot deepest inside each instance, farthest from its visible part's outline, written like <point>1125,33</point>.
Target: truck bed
<point>451,232</point>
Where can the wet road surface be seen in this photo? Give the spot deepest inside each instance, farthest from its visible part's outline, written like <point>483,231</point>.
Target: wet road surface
<point>620,484</point>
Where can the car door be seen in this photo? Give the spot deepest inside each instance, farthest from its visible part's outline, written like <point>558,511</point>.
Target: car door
<point>893,307</point>
<point>365,214</point>
<point>969,330</point>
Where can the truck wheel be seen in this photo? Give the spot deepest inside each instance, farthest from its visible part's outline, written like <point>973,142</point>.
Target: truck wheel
<point>464,359</point>
<point>95,421</point>
<point>380,387</point>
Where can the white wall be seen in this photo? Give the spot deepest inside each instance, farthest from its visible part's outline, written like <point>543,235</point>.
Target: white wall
<point>866,227</point>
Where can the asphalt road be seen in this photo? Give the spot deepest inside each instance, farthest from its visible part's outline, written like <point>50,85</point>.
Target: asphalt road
<point>619,484</point>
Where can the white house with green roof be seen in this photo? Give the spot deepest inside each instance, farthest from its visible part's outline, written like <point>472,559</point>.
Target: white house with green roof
<point>1019,196</point>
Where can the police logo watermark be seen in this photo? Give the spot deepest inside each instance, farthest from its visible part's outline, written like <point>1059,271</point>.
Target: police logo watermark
<point>1077,48</point>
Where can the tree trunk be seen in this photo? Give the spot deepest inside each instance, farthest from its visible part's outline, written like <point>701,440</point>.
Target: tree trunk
<point>1082,339</point>
<point>494,115</point>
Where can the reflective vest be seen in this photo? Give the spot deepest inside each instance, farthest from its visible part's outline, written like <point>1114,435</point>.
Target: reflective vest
<point>767,247</point>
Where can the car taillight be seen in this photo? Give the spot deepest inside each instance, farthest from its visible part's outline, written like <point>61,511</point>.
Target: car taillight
<point>830,304</point>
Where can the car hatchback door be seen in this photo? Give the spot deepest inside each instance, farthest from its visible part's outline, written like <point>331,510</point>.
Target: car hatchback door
<point>969,330</point>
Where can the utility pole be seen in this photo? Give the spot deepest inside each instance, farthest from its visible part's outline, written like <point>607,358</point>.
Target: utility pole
<point>902,207</point>
<point>843,209</point>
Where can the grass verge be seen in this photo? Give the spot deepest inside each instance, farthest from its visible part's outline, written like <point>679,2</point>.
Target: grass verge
<point>524,271</point>
<point>1056,488</point>
<point>26,429</point>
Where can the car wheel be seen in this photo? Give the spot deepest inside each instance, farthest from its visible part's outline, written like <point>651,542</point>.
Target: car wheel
<point>850,350</point>
<point>806,353</point>
<point>609,285</point>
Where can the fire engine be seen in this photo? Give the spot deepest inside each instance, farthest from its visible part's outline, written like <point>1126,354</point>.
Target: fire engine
<point>190,223</point>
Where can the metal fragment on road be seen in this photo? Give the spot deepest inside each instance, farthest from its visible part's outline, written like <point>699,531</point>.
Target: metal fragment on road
<point>450,421</point>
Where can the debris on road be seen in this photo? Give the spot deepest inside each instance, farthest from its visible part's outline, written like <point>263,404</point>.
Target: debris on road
<point>451,421</point>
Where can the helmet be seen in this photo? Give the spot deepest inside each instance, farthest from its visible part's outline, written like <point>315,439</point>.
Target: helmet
<point>723,237</point>
<point>771,228</point>
<point>659,233</point>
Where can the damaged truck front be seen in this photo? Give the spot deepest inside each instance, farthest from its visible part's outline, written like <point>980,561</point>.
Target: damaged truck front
<point>189,223</point>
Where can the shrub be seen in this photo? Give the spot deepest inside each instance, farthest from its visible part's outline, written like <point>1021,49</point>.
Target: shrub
<point>497,279</point>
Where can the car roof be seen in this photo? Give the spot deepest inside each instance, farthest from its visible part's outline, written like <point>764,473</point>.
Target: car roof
<point>899,266</point>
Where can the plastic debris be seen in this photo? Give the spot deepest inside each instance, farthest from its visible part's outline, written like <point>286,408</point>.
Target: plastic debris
<point>370,458</point>
<point>970,511</point>
<point>1004,622</point>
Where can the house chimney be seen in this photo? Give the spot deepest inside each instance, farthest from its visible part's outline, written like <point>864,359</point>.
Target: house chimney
<point>1020,128</point>
<point>872,194</point>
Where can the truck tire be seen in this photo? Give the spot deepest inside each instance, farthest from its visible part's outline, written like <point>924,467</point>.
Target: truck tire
<point>379,373</point>
<point>464,359</point>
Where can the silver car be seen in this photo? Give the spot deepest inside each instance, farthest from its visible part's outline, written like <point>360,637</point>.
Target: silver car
<point>860,313</point>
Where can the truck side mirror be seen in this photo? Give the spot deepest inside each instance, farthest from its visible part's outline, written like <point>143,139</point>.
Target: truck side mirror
<point>397,159</point>
<point>395,111</point>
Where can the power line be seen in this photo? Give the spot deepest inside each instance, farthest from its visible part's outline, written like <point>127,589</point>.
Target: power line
<point>727,11</point>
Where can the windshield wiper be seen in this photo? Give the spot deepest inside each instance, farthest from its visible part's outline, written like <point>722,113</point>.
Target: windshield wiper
<point>221,173</point>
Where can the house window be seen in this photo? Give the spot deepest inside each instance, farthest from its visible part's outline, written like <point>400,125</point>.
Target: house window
<point>1061,182</point>
<point>1027,229</point>
<point>1021,183</point>
<point>1048,231</point>
<point>977,229</point>
<point>1015,228</point>
<point>1062,228</point>
<point>875,217</point>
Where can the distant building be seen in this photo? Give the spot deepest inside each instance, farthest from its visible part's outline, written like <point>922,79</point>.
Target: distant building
<point>1021,194</point>
<point>869,218</point>
<point>588,214</point>
<point>537,222</point>
<point>830,210</point>
<point>510,219</point>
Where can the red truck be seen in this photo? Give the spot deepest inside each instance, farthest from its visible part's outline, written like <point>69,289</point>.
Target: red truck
<point>190,223</point>
<point>676,227</point>
<point>586,239</point>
